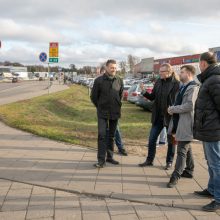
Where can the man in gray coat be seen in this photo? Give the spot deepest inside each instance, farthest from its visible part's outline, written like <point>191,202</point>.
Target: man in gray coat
<point>181,125</point>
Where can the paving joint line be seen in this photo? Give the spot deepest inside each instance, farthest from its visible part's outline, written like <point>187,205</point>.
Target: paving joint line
<point>102,196</point>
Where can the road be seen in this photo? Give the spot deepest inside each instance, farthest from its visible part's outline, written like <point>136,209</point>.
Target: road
<point>12,89</point>
<point>11,92</point>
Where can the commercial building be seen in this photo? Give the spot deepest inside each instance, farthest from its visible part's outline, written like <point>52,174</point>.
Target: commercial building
<point>145,68</point>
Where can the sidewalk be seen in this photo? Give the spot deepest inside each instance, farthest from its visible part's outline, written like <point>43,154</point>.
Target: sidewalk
<point>21,201</point>
<point>39,161</point>
<point>45,179</point>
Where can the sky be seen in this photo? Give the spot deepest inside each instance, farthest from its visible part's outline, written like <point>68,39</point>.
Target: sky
<point>91,31</point>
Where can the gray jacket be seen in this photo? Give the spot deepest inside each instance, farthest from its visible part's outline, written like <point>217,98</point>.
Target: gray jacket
<point>184,130</point>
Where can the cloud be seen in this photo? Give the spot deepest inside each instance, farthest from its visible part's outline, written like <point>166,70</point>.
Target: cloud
<point>92,31</point>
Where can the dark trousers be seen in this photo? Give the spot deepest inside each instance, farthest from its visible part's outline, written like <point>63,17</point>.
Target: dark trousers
<point>184,159</point>
<point>118,139</point>
<point>103,147</point>
<point>152,145</point>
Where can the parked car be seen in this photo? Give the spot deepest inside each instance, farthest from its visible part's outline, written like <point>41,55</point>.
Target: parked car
<point>125,92</point>
<point>144,103</point>
<point>135,91</point>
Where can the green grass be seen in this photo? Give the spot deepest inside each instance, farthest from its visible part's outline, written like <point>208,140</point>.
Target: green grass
<point>70,116</point>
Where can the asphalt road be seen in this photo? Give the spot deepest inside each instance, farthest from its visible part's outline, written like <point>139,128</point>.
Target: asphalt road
<point>14,89</point>
<point>11,92</point>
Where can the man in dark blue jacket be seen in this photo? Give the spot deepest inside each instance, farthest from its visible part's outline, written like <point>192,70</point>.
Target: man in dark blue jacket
<point>207,125</point>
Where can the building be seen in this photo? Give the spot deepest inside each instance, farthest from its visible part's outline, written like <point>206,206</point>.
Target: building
<point>11,71</point>
<point>176,62</point>
<point>217,51</point>
<point>145,68</point>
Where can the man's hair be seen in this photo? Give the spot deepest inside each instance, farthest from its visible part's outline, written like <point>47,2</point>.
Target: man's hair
<point>209,57</point>
<point>189,68</point>
<point>168,66</point>
<point>110,62</point>
<point>171,70</point>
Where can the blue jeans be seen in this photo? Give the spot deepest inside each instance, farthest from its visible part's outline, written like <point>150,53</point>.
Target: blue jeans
<point>212,154</point>
<point>154,133</point>
<point>118,140</point>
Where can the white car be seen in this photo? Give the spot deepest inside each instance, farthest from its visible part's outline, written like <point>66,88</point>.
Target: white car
<point>135,91</point>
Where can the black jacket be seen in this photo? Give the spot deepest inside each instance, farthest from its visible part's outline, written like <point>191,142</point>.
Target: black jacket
<point>163,95</point>
<point>207,108</point>
<point>106,95</point>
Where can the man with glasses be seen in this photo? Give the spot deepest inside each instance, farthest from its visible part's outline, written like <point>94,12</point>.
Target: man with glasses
<point>163,95</point>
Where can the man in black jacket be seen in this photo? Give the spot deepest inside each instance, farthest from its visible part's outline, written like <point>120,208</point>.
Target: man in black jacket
<point>106,95</point>
<point>163,95</point>
<point>207,125</point>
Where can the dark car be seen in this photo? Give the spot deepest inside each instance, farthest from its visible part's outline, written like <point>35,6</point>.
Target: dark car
<point>144,103</point>
<point>14,80</point>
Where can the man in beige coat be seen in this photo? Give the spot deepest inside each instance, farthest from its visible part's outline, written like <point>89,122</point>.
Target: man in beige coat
<point>181,125</point>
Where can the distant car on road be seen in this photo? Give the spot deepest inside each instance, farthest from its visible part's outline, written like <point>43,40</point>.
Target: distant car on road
<point>15,80</point>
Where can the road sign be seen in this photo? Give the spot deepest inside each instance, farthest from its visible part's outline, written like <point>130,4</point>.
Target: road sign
<point>43,57</point>
<point>54,45</point>
<point>53,60</point>
<point>54,52</point>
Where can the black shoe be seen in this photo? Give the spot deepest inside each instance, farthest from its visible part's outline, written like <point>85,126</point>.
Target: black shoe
<point>168,166</point>
<point>185,174</point>
<point>211,207</point>
<point>146,164</point>
<point>99,165</point>
<point>123,152</point>
<point>112,161</point>
<point>173,182</point>
<point>204,193</point>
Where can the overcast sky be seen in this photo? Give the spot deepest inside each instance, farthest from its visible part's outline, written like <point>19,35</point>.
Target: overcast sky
<point>91,31</point>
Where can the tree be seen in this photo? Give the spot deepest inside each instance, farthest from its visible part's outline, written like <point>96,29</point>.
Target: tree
<point>73,68</point>
<point>132,61</point>
<point>122,66</point>
<point>87,70</point>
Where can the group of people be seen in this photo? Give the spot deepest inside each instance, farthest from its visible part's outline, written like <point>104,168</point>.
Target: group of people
<point>186,109</point>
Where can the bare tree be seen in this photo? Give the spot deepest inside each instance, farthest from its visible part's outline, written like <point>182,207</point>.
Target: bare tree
<point>132,61</point>
<point>122,66</point>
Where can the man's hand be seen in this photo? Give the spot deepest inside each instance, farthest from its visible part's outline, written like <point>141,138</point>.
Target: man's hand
<point>142,87</point>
